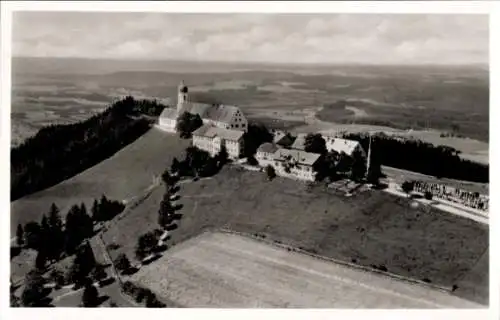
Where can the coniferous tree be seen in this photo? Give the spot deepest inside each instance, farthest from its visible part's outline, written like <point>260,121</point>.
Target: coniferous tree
<point>41,260</point>
<point>86,220</point>
<point>175,166</point>
<point>95,211</point>
<point>73,235</point>
<point>57,233</point>
<point>83,264</point>
<point>46,235</point>
<point>122,263</point>
<point>90,296</point>
<point>20,235</point>
<point>33,291</point>
<point>32,235</point>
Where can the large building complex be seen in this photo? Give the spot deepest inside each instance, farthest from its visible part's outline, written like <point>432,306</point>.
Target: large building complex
<point>212,139</point>
<point>221,116</point>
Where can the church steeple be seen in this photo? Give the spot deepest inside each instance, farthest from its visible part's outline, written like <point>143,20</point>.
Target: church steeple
<point>182,95</point>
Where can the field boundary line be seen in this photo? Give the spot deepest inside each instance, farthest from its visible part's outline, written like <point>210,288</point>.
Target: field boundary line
<point>337,261</point>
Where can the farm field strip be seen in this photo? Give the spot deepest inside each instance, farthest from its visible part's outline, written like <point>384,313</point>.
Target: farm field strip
<point>234,271</point>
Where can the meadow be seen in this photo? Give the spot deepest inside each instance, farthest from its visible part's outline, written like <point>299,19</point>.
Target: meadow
<point>372,229</point>
<point>232,271</point>
<point>122,176</point>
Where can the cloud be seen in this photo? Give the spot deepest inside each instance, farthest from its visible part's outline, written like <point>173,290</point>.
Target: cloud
<point>321,38</point>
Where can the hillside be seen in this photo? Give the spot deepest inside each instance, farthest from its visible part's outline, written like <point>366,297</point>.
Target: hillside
<point>371,229</point>
<point>121,176</point>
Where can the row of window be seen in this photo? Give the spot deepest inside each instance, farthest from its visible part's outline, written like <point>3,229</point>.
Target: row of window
<point>298,167</point>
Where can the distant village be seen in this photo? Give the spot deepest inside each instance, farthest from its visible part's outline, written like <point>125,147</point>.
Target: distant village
<point>224,127</point>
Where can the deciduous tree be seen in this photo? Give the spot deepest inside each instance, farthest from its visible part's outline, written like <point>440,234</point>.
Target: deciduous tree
<point>315,143</point>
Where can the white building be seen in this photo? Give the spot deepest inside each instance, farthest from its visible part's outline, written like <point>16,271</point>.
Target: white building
<point>339,145</point>
<point>222,116</point>
<point>265,154</point>
<point>211,139</point>
<point>295,164</point>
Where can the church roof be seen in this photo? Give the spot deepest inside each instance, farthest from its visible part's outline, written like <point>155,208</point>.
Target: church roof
<point>209,131</point>
<point>220,113</point>
<point>169,113</point>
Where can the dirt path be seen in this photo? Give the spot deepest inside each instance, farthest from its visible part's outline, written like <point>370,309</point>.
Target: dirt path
<point>358,113</point>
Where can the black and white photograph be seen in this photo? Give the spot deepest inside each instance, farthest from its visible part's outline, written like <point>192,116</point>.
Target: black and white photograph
<point>279,160</point>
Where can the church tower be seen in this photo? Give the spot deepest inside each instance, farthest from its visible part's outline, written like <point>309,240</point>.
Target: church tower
<point>182,96</point>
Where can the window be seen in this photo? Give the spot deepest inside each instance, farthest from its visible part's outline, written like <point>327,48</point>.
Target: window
<point>237,126</point>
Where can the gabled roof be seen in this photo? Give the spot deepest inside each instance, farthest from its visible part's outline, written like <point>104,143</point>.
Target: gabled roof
<point>169,113</point>
<point>221,113</point>
<point>210,131</point>
<point>283,139</point>
<point>343,145</point>
<point>301,157</point>
<point>267,148</point>
<point>299,143</point>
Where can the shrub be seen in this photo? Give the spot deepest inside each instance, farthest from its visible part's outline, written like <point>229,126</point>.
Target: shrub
<point>270,172</point>
<point>428,195</point>
<point>129,288</point>
<point>122,263</point>
<point>252,161</point>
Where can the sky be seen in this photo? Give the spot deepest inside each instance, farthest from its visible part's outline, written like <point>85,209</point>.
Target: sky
<point>286,38</point>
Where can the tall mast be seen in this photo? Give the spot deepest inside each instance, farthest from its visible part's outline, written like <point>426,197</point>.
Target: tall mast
<point>368,159</point>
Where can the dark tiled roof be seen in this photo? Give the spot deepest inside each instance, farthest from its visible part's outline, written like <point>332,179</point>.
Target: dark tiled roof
<point>267,148</point>
<point>212,132</point>
<point>169,113</point>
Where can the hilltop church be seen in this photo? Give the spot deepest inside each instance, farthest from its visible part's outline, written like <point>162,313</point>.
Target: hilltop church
<point>221,116</point>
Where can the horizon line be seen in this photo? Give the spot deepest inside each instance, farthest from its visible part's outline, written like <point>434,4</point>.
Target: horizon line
<point>484,64</point>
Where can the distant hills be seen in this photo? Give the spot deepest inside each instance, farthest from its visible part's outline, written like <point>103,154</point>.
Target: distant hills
<point>102,66</point>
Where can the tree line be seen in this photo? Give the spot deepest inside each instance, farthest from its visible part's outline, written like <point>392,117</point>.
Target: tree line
<point>53,239</point>
<point>58,152</point>
<point>422,157</point>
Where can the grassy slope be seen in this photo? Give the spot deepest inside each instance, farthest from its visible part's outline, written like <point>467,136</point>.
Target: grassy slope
<point>416,243</point>
<point>124,175</point>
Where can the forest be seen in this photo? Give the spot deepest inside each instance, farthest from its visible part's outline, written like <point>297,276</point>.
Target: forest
<point>422,157</point>
<point>58,152</point>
